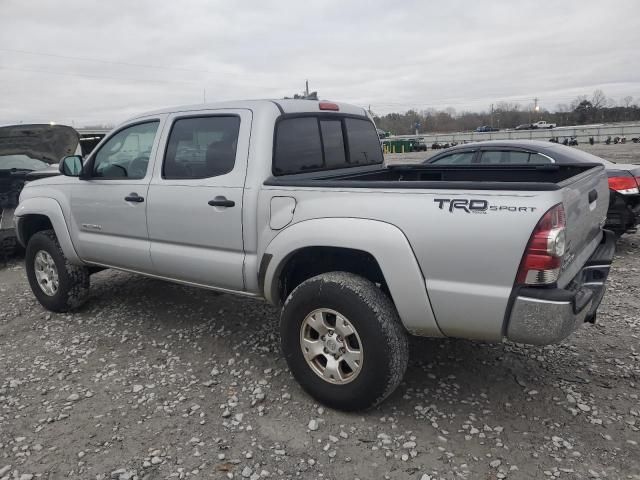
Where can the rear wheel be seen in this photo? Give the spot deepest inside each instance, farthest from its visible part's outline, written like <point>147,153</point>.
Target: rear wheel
<point>343,340</point>
<point>58,285</point>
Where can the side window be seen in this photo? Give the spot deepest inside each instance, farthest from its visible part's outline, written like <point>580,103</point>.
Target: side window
<point>463,158</point>
<point>201,147</point>
<point>538,159</point>
<point>512,157</point>
<point>126,154</point>
<point>298,146</point>
<point>504,156</point>
<point>364,144</point>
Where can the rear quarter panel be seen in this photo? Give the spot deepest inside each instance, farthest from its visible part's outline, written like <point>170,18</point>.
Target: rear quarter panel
<point>468,259</point>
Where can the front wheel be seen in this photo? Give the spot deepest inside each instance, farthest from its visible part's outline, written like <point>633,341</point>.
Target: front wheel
<point>58,285</point>
<point>343,340</point>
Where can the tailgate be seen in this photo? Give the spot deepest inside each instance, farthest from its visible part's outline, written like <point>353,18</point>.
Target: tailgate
<point>585,200</point>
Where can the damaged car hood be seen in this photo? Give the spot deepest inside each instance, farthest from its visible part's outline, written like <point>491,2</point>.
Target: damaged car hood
<point>47,143</point>
<point>28,152</point>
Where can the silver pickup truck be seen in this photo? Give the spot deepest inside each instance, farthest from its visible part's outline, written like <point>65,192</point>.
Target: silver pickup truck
<point>290,200</point>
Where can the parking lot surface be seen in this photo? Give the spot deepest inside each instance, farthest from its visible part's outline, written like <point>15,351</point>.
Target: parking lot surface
<point>157,380</point>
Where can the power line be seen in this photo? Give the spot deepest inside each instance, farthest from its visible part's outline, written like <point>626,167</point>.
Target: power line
<point>112,62</point>
<point>467,101</point>
<point>460,103</point>
<point>86,75</point>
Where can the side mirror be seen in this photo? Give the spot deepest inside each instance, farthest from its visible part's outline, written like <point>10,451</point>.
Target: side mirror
<point>71,165</point>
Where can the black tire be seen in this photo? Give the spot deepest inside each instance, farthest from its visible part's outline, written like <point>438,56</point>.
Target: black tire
<point>73,280</point>
<point>385,348</point>
<point>8,246</point>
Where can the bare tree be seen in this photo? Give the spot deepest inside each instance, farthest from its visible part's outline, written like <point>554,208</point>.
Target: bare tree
<point>577,101</point>
<point>507,114</point>
<point>599,99</point>
<point>507,107</point>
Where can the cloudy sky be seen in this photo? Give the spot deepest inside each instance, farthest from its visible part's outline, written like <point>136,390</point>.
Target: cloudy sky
<point>88,62</point>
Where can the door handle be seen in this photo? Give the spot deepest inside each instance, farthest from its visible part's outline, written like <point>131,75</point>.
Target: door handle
<point>134,197</point>
<point>593,196</point>
<point>222,202</point>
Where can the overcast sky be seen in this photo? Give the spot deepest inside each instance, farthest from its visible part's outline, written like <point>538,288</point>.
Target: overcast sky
<point>89,62</point>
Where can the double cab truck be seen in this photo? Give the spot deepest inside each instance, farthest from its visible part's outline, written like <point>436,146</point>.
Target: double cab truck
<point>290,201</point>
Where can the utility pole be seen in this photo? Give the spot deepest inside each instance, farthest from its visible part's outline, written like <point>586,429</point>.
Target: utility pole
<point>492,115</point>
<point>306,89</point>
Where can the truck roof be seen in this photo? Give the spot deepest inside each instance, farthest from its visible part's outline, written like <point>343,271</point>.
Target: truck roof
<point>284,105</point>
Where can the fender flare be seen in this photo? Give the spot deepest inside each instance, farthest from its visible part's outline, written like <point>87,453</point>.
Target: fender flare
<point>385,242</point>
<point>51,209</point>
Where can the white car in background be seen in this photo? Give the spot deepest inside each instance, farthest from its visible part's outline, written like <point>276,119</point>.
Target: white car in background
<point>543,124</point>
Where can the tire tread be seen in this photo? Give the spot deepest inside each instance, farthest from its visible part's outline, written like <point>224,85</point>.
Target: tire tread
<point>77,289</point>
<point>385,314</point>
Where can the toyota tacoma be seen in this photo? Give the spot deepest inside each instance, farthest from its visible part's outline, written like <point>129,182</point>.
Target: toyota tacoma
<point>290,200</point>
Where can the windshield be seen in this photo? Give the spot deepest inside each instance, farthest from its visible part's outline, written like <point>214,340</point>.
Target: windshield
<point>21,162</point>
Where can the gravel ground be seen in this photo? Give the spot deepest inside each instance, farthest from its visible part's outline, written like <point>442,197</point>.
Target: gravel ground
<point>155,380</point>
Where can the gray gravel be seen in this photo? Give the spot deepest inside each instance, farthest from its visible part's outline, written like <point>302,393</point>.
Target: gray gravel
<point>154,380</point>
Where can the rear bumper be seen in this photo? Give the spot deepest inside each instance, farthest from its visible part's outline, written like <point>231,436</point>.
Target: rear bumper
<point>542,316</point>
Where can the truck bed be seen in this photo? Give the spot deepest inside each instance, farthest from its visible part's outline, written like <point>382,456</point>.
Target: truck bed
<point>450,177</point>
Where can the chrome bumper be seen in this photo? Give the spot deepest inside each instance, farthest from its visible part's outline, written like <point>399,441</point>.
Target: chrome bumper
<point>541,322</point>
<point>542,316</point>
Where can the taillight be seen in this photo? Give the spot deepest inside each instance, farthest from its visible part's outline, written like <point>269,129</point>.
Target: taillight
<point>543,257</point>
<point>626,185</point>
<point>329,106</point>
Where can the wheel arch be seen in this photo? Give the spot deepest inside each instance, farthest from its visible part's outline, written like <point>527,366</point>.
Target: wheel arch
<point>376,250</point>
<point>40,213</point>
<point>307,262</point>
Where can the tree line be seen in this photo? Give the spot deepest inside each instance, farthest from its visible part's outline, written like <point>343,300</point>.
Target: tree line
<point>598,108</point>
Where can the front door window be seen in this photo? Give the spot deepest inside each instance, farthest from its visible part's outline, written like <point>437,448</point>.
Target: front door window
<point>126,154</point>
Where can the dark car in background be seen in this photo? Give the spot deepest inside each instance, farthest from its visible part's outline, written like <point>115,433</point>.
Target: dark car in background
<point>487,128</point>
<point>28,152</point>
<point>419,145</point>
<point>624,179</point>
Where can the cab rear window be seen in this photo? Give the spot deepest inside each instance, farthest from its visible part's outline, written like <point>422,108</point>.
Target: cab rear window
<point>318,143</point>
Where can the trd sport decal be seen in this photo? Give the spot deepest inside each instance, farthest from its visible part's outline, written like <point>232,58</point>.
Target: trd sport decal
<point>477,206</point>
